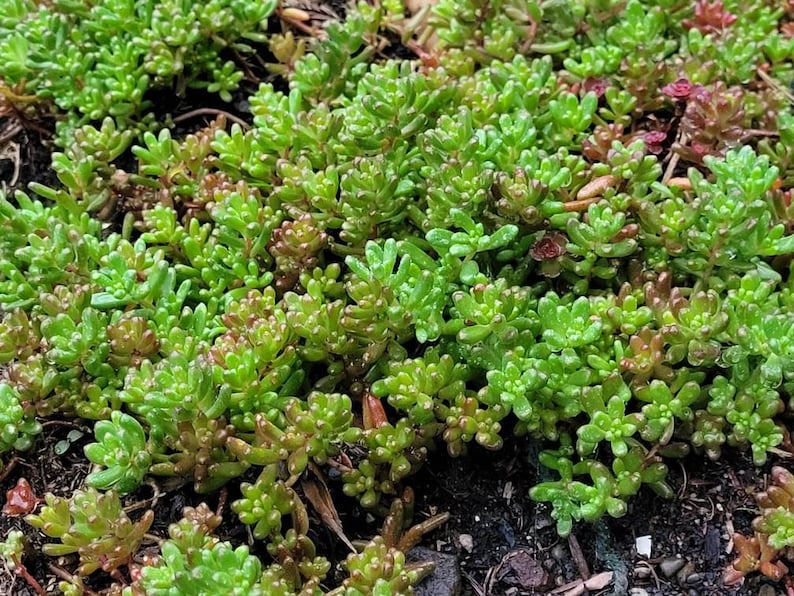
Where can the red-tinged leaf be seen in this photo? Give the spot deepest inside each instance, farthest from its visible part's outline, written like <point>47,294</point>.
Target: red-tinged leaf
<point>20,500</point>
<point>732,576</point>
<point>373,413</point>
<point>774,570</point>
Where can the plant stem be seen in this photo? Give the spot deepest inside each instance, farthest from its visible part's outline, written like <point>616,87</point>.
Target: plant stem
<point>211,112</point>
<point>22,571</point>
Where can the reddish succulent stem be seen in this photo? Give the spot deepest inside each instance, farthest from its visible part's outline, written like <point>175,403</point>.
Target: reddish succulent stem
<point>597,187</point>
<point>680,182</point>
<point>427,58</point>
<point>757,132</point>
<point>69,578</point>
<point>22,571</point>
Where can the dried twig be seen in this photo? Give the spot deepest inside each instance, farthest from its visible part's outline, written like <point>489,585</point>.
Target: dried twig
<point>578,557</point>
<point>63,574</point>
<point>9,468</point>
<point>211,112</point>
<point>673,163</point>
<point>776,85</point>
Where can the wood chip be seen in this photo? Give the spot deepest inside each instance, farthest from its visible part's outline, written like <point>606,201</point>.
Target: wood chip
<point>596,582</point>
<point>599,581</point>
<point>578,557</point>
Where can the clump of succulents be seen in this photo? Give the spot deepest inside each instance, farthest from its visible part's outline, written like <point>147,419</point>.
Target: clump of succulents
<point>104,59</point>
<point>94,526</point>
<point>568,222</point>
<point>773,534</point>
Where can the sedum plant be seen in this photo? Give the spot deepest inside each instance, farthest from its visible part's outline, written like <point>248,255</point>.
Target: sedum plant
<point>193,561</point>
<point>121,448</point>
<point>773,532</point>
<point>18,426</point>
<point>94,526</point>
<point>103,59</point>
<point>568,221</point>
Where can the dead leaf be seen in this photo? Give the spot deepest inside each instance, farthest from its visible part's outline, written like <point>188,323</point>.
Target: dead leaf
<point>599,581</point>
<point>317,493</point>
<point>519,568</point>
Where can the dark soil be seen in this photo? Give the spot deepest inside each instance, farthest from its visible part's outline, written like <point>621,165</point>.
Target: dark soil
<point>46,472</point>
<point>24,157</point>
<point>504,542</point>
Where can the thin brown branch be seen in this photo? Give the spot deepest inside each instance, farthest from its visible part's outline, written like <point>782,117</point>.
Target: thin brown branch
<point>673,163</point>
<point>65,575</point>
<point>67,424</point>
<point>150,502</point>
<point>156,539</point>
<point>23,572</point>
<point>211,112</point>
<point>757,132</point>
<point>775,84</point>
<point>9,468</point>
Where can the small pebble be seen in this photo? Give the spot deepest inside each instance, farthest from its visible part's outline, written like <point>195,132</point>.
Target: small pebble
<point>543,521</point>
<point>671,565</point>
<point>445,580</point>
<point>685,572</point>
<point>559,552</point>
<point>694,578</point>
<point>767,590</point>
<point>466,542</point>
<point>638,592</point>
